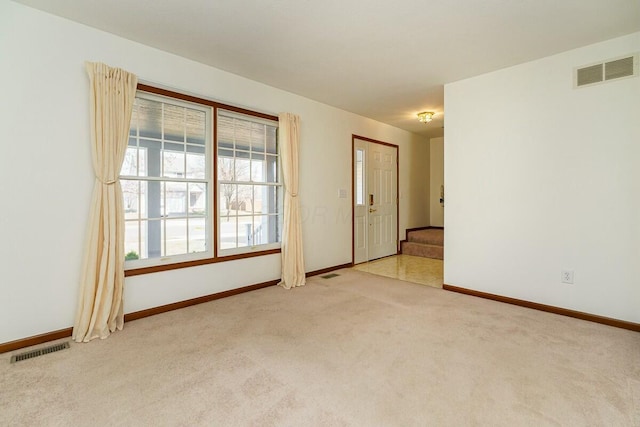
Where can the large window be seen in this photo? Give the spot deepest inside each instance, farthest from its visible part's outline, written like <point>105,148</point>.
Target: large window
<point>249,196</point>
<point>169,183</point>
<point>166,180</point>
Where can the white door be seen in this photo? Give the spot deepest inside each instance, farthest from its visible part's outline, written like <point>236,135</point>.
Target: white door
<point>375,200</point>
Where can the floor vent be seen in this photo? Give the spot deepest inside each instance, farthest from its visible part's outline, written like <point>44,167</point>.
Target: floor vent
<point>330,276</point>
<point>39,352</point>
<point>606,71</point>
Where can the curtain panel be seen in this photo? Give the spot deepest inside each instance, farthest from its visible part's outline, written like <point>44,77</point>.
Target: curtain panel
<point>100,302</point>
<point>292,257</point>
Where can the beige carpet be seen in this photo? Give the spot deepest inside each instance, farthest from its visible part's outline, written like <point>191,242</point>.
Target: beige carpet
<point>356,350</point>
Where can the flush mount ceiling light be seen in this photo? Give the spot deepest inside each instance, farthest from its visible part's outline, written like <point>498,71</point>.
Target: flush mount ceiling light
<point>425,117</point>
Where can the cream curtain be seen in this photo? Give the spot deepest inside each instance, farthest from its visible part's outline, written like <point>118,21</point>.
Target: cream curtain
<point>100,304</point>
<point>292,259</point>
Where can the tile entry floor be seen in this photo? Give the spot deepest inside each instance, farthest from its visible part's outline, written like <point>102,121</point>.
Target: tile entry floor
<point>415,269</point>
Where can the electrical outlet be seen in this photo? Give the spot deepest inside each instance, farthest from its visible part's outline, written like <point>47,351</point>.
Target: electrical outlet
<point>566,276</point>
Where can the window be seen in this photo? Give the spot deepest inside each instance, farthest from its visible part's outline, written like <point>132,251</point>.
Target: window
<point>169,182</point>
<point>359,177</point>
<point>249,192</point>
<point>166,180</point>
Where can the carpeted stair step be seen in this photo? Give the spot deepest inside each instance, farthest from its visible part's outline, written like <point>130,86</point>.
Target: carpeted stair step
<point>431,236</point>
<point>423,250</point>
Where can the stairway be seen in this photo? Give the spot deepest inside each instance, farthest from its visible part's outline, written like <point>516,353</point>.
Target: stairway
<point>428,243</point>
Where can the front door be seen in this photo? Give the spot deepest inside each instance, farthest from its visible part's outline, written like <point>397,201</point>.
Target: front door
<point>375,201</point>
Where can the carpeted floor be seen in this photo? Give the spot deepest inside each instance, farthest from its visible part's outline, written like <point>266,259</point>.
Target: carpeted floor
<point>355,350</point>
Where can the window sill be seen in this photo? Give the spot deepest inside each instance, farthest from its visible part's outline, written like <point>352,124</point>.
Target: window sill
<point>194,263</point>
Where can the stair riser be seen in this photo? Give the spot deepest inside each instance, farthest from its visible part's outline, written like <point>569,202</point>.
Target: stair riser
<point>435,240</point>
<point>417,249</point>
<point>427,237</point>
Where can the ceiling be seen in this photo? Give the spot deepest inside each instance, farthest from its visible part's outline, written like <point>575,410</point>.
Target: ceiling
<point>380,59</point>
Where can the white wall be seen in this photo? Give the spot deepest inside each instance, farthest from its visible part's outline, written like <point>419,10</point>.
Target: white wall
<point>436,172</point>
<point>47,178</point>
<point>542,177</point>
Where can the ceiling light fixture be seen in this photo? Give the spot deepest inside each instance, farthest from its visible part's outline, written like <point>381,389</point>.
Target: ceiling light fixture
<point>425,117</point>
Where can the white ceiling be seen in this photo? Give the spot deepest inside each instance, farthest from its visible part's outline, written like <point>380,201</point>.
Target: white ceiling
<point>381,59</point>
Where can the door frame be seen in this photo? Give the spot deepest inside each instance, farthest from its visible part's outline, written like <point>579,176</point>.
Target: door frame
<point>353,191</point>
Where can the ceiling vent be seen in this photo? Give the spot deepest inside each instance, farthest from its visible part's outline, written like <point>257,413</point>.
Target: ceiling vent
<point>613,69</point>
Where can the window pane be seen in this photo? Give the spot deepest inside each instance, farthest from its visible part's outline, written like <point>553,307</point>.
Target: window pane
<point>265,229</point>
<point>155,199</point>
<point>173,164</point>
<point>174,122</point>
<point>227,198</point>
<point>144,200</point>
<point>244,203</point>
<point>258,138</point>
<point>228,231</point>
<point>223,152</point>
<point>274,199</point>
<point>197,198</point>
<point>131,198</point>
<point>196,126</point>
<point>242,169</point>
<point>175,199</point>
<point>225,169</point>
<point>225,131</point>
<point>131,240</point>
<point>272,147</point>
<point>257,167</point>
<point>130,163</point>
<point>196,165</point>
<point>257,231</point>
<point>242,134</point>
<point>151,242</point>
<point>265,199</point>
<point>245,230</point>
<point>197,235</point>
<point>359,177</point>
<point>176,236</point>
<point>271,169</point>
<point>260,199</point>
<point>275,228</point>
<point>142,161</point>
<point>152,158</point>
<point>149,118</point>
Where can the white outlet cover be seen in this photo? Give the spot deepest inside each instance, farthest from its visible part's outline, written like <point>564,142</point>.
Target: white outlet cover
<point>566,276</point>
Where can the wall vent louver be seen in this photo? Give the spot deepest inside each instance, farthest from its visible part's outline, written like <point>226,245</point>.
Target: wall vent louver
<point>604,71</point>
<point>589,75</point>
<point>619,68</point>
<point>38,352</point>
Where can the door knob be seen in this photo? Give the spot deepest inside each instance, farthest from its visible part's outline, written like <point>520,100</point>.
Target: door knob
<point>371,210</point>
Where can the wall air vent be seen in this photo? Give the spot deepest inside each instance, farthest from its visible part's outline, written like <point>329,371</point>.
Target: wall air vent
<point>618,68</point>
<point>589,75</point>
<point>604,71</point>
<point>38,352</point>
